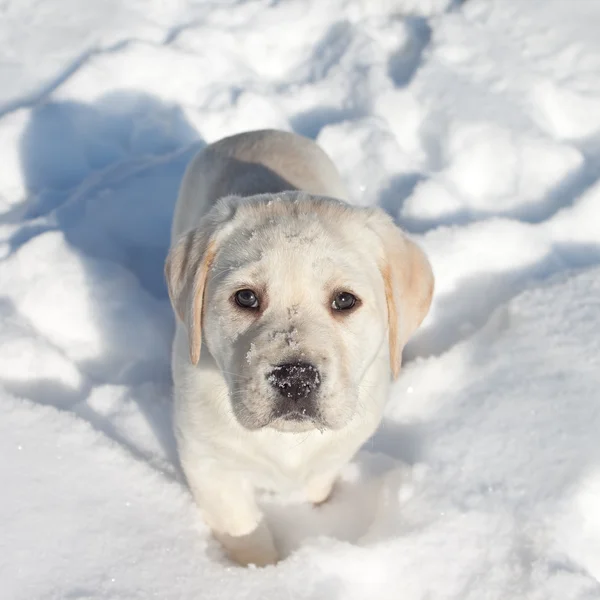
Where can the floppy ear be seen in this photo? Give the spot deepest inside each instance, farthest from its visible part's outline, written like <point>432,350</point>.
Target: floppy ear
<point>186,272</point>
<point>188,264</point>
<point>408,281</point>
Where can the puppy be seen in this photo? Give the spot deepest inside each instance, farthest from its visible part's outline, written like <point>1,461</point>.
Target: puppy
<point>292,311</point>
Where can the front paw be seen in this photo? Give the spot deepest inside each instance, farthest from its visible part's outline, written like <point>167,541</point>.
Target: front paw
<point>256,548</point>
<point>318,491</point>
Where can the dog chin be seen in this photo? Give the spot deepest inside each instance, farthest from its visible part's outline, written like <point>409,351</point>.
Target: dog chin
<point>283,424</point>
<point>296,425</point>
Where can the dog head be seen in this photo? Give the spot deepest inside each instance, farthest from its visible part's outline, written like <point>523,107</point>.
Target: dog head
<point>295,297</point>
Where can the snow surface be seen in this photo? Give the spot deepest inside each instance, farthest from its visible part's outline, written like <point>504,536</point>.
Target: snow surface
<point>475,124</point>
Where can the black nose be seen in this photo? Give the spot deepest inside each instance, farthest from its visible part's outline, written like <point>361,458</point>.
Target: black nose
<point>295,380</point>
<point>295,383</point>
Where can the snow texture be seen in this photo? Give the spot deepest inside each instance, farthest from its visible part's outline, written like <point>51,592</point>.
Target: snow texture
<point>475,124</point>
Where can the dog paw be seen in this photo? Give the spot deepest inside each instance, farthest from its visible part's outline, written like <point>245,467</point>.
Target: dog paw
<point>249,556</point>
<point>319,491</point>
<point>256,548</point>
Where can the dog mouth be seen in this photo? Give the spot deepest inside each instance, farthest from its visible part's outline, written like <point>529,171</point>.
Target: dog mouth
<point>301,419</point>
<point>296,416</point>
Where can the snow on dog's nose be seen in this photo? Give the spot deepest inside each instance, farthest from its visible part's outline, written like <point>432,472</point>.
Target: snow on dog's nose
<point>295,384</point>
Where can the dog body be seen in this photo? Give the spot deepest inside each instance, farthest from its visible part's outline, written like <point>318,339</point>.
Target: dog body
<point>301,304</point>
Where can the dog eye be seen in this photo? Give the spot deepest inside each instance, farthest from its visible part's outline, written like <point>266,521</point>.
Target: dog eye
<point>343,301</point>
<point>246,299</point>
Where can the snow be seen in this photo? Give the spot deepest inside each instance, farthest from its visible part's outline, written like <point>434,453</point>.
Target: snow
<point>474,124</point>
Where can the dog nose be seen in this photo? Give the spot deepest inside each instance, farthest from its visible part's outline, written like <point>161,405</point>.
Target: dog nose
<point>295,381</point>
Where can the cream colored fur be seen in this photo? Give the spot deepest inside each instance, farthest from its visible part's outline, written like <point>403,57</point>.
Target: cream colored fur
<point>266,210</point>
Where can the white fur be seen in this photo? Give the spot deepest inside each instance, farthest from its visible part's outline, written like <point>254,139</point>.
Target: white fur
<point>256,210</point>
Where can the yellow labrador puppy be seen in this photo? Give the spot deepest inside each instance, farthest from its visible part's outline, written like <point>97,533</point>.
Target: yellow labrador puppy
<point>293,308</point>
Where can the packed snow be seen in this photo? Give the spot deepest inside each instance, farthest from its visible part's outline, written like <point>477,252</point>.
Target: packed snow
<point>475,124</point>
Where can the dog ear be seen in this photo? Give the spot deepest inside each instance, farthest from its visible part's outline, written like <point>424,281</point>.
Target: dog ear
<point>188,265</point>
<point>408,282</point>
<point>186,272</point>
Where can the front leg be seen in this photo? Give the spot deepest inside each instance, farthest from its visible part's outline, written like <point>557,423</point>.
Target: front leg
<point>229,507</point>
<point>319,488</point>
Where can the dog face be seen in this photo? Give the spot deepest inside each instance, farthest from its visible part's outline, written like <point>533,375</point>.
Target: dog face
<point>287,307</point>
<point>293,296</point>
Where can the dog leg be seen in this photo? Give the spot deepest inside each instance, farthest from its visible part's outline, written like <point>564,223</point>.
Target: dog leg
<point>255,548</point>
<point>319,489</point>
<point>229,508</point>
